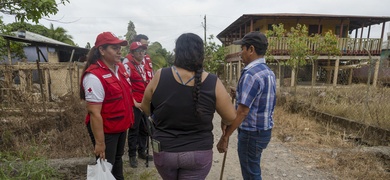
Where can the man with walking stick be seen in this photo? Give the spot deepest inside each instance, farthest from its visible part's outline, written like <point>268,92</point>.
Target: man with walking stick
<point>255,102</point>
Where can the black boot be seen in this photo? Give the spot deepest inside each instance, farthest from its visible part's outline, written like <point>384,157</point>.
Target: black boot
<point>133,162</point>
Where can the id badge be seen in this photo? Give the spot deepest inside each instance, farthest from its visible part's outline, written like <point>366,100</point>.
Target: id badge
<point>156,146</point>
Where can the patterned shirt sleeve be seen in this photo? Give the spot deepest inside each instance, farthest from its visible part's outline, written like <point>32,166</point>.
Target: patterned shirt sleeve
<point>249,90</point>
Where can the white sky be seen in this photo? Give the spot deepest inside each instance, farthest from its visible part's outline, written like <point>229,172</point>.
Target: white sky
<point>165,20</point>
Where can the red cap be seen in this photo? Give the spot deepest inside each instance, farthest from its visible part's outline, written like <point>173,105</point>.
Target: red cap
<point>136,45</point>
<point>108,38</point>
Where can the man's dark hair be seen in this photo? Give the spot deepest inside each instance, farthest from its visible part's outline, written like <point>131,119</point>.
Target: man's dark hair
<point>260,50</point>
<point>139,37</point>
<point>255,38</point>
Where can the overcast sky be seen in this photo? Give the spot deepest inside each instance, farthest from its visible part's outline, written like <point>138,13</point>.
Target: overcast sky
<point>165,20</point>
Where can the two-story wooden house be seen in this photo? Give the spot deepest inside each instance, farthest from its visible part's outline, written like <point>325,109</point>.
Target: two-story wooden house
<point>355,51</point>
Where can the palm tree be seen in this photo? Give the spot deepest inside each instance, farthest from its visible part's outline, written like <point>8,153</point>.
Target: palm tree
<point>60,34</point>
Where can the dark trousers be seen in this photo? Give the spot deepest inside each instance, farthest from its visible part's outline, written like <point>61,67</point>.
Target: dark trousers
<point>137,135</point>
<point>115,147</point>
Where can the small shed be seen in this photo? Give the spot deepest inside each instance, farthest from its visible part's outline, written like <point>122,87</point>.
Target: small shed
<point>50,64</point>
<point>48,49</point>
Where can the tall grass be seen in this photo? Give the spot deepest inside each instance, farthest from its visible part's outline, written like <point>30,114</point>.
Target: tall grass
<point>319,145</point>
<point>359,103</point>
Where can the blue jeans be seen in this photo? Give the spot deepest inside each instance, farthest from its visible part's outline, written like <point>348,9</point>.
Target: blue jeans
<point>183,165</point>
<point>250,147</point>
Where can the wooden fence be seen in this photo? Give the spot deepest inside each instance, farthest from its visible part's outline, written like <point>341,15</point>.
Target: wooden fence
<point>42,81</point>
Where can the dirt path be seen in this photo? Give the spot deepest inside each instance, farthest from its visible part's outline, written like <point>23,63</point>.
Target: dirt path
<point>278,162</point>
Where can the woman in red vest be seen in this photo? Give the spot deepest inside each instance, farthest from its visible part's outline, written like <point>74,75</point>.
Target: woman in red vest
<point>105,86</point>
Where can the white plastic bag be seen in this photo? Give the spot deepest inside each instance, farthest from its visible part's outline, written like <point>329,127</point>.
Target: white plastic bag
<point>100,171</point>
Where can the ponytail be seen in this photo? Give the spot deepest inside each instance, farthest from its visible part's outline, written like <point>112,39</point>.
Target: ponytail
<point>92,57</point>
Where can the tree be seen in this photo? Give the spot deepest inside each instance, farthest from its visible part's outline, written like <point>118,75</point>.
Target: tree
<point>16,48</point>
<point>214,56</point>
<point>60,34</point>
<point>277,32</point>
<point>158,55</point>
<point>129,37</point>
<point>88,45</point>
<point>328,45</point>
<point>30,9</point>
<point>39,29</point>
<point>300,46</point>
<point>299,50</point>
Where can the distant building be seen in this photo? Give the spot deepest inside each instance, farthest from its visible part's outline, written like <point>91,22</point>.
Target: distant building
<point>354,50</point>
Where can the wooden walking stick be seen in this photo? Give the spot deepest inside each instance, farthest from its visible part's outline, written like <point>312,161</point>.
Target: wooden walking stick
<point>232,93</point>
<point>223,163</point>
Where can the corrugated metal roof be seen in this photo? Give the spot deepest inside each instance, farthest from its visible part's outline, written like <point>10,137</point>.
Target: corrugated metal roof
<point>39,40</point>
<point>37,37</point>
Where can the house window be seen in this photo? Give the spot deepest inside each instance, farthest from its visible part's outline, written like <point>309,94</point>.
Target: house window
<point>257,29</point>
<point>313,29</point>
<point>337,31</point>
<point>270,27</point>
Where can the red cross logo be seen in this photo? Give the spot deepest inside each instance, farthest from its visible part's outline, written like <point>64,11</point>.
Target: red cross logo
<point>89,90</point>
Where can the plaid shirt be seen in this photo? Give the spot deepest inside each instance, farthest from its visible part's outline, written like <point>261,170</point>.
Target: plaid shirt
<point>256,89</point>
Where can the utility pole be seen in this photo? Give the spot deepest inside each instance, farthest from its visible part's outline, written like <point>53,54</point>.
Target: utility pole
<point>204,27</point>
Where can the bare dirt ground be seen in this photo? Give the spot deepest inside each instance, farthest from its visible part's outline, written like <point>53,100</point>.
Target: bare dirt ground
<point>278,162</point>
<point>300,148</point>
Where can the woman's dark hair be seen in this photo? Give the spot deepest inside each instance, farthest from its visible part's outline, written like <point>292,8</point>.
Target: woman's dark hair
<point>189,55</point>
<point>92,57</point>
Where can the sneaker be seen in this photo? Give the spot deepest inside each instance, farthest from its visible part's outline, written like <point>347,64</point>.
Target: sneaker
<point>133,162</point>
<point>143,156</point>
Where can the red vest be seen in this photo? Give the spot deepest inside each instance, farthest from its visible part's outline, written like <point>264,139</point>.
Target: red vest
<point>117,111</point>
<point>148,68</point>
<point>137,82</point>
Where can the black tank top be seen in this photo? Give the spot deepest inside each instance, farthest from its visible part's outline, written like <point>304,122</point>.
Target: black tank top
<point>177,127</point>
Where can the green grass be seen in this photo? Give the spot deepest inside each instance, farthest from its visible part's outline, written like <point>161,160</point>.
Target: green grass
<point>15,167</point>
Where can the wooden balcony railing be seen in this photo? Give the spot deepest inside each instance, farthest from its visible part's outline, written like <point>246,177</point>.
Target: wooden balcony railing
<point>347,46</point>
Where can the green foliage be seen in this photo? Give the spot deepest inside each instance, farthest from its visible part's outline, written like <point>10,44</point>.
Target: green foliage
<point>277,33</point>
<point>129,36</point>
<point>88,45</point>
<point>297,42</point>
<point>300,45</point>
<point>30,9</point>
<point>158,55</point>
<point>13,167</point>
<point>39,29</point>
<point>59,34</point>
<point>327,44</point>
<point>16,48</point>
<point>214,56</point>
